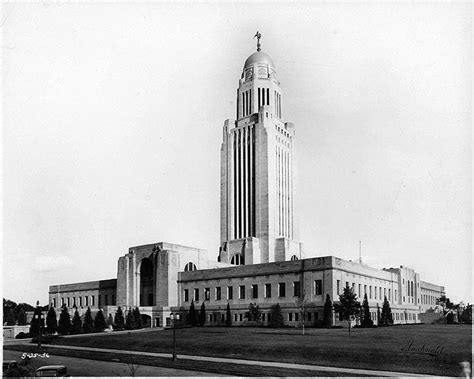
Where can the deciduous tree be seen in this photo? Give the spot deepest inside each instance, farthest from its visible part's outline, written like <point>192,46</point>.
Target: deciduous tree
<point>22,316</point>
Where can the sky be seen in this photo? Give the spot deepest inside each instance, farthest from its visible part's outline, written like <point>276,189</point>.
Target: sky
<point>113,115</point>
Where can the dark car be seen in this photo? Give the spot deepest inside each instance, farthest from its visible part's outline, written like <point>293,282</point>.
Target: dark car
<point>52,371</point>
<point>8,365</point>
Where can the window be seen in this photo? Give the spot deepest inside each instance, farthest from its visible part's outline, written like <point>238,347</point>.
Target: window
<point>113,299</point>
<point>338,288</point>
<point>281,290</point>
<point>54,303</point>
<point>254,291</point>
<point>235,317</point>
<point>93,300</point>
<point>240,317</point>
<point>218,293</point>
<point>106,300</point>
<point>87,300</point>
<point>389,295</point>
<point>296,289</point>
<point>375,292</point>
<point>347,284</point>
<point>263,317</point>
<point>380,293</point>
<point>309,316</point>
<point>80,301</point>
<point>190,267</point>
<point>365,289</point>
<point>359,293</point>
<point>370,292</point>
<point>318,287</point>
<point>207,294</point>
<point>237,259</point>
<point>353,287</point>
<point>62,301</point>
<point>241,292</point>
<point>268,290</point>
<point>316,316</point>
<point>196,294</point>
<point>294,258</point>
<point>230,294</point>
<point>222,317</point>
<point>290,316</point>
<point>186,295</point>
<point>296,316</point>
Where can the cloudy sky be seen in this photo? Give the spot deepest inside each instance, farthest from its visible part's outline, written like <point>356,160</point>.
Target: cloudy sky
<point>113,119</point>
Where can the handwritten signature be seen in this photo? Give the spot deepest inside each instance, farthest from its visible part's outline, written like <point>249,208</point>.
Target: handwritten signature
<point>422,349</point>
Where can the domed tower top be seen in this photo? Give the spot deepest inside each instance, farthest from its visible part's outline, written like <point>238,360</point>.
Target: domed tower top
<point>259,57</point>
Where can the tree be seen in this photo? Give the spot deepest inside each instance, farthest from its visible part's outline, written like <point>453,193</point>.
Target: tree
<point>228,316</point>
<point>276,317</point>
<point>129,321</point>
<point>7,305</point>
<point>51,321</point>
<point>254,314</point>
<point>386,318</point>
<point>110,321</point>
<point>366,317</point>
<point>445,304</point>
<point>64,325</point>
<point>22,316</point>
<point>378,314</point>
<point>327,315</point>
<point>137,318</point>
<point>88,325</point>
<point>202,315</point>
<point>192,314</point>
<point>348,306</point>
<point>99,321</point>
<point>11,317</point>
<point>76,323</point>
<point>119,319</point>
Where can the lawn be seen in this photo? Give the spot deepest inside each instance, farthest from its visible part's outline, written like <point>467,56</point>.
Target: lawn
<point>378,348</point>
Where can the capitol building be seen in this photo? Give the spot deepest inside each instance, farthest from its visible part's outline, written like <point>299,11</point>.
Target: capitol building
<point>261,259</point>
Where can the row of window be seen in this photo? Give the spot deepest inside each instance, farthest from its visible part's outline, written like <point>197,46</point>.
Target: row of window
<point>254,291</point>
<point>371,294</point>
<point>240,317</point>
<point>85,301</point>
<point>429,299</point>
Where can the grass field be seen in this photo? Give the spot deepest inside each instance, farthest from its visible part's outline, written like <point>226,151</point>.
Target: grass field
<point>378,349</point>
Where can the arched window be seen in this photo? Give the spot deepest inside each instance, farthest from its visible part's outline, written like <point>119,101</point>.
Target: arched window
<point>237,259</point>
<point>190,267</point>
<point>294,258</point>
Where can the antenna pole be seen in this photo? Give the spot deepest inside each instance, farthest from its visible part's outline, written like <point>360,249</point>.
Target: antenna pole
<point>360,251</point>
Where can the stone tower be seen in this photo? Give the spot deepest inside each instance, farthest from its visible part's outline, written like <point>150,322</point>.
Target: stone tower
<point>257,174</point>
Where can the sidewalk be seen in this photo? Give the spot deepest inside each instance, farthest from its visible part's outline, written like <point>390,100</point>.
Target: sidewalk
<point>294,366</point>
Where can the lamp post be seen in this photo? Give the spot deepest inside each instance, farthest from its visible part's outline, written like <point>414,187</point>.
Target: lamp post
<point>39,317</point>
<point>174,317</point>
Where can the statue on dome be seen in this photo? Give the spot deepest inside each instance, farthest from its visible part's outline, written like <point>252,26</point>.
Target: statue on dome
<point>258,36</point>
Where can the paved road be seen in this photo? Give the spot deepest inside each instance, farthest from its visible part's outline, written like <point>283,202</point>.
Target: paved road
<point>88,367</point>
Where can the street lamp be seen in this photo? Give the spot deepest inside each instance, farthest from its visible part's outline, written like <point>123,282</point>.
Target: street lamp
<point>174,317</point>
<point>39,317</point>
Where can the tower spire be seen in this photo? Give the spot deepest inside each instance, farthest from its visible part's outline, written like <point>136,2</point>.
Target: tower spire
<point>258,36</point>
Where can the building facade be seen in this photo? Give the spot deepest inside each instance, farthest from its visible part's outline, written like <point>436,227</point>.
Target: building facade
<point>260,259</point>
